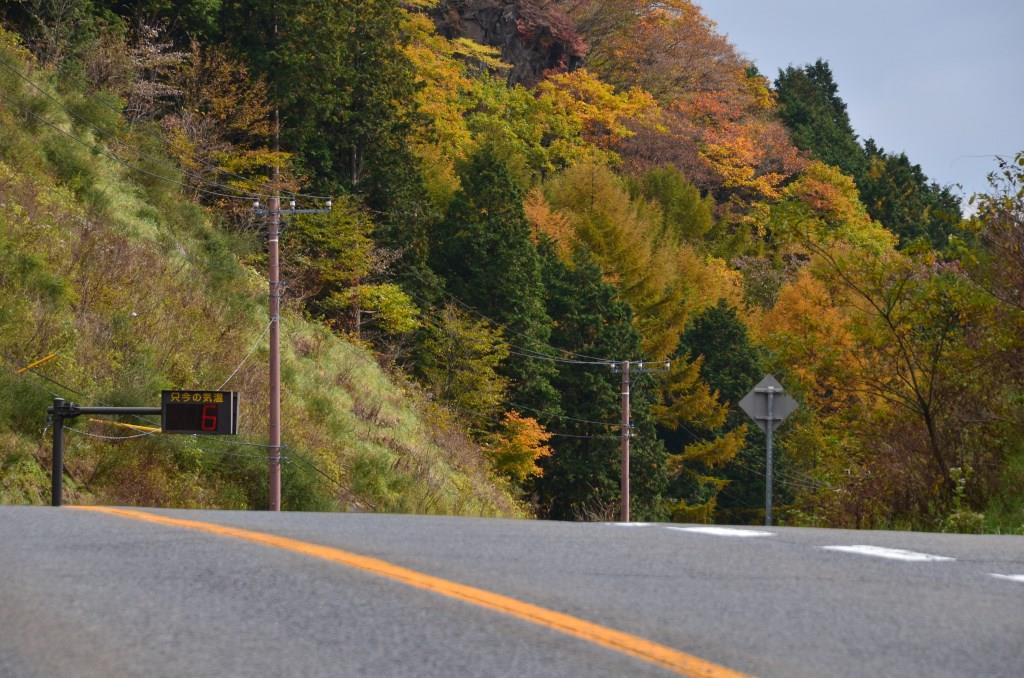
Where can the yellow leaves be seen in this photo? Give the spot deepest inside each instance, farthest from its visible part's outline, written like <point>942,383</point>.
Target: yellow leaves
<point>601,112</point>
<point>484,55</point>
<point>662,279</point>
<point>515,449</point>
<point>685,399</point>
<point>682,512</point>
<point>733,164</point>
<point>814,338</point>
<point>713,453</point>
<point>760,92</point>
<point>822,208</point>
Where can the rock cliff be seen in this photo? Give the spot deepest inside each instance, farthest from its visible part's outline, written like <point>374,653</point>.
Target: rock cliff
<point>535,36</point>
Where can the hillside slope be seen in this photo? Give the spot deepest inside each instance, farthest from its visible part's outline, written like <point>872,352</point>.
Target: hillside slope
<point>105,264</point>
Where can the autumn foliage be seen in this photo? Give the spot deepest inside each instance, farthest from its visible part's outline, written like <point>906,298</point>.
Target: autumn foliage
<point>529,192</point>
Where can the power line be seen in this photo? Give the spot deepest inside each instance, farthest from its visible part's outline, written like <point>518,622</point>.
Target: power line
<point>585,437</point>
<point>433,319</point>
<point>319,470</point>
<point>248,355</point>
<point>562,361</point>
<point>544,413</point>
<point>103,437</point>
<point>581,357</point>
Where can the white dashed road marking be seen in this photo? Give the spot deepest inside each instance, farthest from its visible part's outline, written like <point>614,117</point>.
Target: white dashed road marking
<point>724,531</point>
<point>892,554</point>
<point>1009,577</point>
<point>630,524</point>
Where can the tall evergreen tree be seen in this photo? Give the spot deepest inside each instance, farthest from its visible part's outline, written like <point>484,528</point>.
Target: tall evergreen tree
<point>731,366</point>
<point>483,250</point>
<point>345,88</point>
<point>810,106</point>
<point>898,194</point>
<point>895,191</point>
<point>344,85</point>
<point>582,478</point>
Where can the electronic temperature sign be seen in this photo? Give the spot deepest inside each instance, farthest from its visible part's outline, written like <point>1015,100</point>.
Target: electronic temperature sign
<point>200,412</point>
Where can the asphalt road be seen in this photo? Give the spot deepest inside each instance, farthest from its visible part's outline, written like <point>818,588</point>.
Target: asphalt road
<point>88,594</point>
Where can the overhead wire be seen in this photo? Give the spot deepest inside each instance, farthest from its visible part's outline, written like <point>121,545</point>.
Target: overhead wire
<point>514,349</point>
<point>577,358</point>
<point>542,413</point>
<point>90,434</point>
<point>256,345</point>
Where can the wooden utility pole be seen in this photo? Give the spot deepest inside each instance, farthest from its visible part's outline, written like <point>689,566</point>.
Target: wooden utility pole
<point>626,427</point>
<point>625,431</point>
<point>275,215</point>
<point>273,254</point>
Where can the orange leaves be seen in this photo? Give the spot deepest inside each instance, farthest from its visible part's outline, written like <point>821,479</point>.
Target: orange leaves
<point>716,120</point>
<point>813,337</point>
<point>547,221</point>
<point>822,207</point>
<point>668,48</point>
<point>515,449</point>
<point>741,144</point>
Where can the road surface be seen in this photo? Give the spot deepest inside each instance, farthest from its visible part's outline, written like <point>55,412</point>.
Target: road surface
<point>84,593</point>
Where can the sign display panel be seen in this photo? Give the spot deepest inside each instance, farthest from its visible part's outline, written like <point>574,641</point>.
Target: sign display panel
<point>199,412</point>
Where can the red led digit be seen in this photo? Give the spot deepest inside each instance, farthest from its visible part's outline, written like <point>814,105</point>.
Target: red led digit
<point>208,422</point>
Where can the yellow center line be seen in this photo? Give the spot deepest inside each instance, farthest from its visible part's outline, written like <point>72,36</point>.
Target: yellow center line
<point>626,643</point>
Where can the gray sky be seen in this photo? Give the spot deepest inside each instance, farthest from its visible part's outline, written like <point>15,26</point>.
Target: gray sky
<point>941,80</point>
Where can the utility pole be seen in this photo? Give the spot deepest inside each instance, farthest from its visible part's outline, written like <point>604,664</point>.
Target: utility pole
<point>59,413</point>
<point>273,255</point>
<point>626,427</point>
<point>275,215</point>
<point>769,462</point>
<point>625,430</point>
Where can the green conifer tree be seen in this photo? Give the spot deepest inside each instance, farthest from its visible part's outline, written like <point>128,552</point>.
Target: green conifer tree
<point>582,477</point>
<point>810,106</point>
<point>483,250</point>
<point>731,365</point>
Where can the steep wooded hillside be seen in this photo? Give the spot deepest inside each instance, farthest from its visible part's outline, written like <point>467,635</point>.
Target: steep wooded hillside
<point>108,267</point>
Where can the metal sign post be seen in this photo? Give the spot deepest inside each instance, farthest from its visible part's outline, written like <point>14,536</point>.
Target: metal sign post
<point>768,405</point>
<point>62,410</point>
<point>193,412</point>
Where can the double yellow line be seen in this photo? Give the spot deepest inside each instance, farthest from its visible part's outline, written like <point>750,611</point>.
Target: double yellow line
<point>634,646</point>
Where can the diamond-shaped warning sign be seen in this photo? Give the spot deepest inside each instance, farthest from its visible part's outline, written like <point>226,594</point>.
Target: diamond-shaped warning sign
<point>755,403</point>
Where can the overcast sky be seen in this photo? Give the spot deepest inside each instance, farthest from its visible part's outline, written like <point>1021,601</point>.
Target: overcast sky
<point>942,80</point>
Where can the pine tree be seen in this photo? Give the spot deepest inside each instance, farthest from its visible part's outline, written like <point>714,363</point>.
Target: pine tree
<point>898,194</point>
<point>346,88</point>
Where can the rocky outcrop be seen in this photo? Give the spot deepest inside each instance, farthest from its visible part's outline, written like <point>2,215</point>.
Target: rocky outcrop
<point>535,36</point>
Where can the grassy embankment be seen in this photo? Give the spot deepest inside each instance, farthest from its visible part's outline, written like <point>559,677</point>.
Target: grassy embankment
<point>136,290</point>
